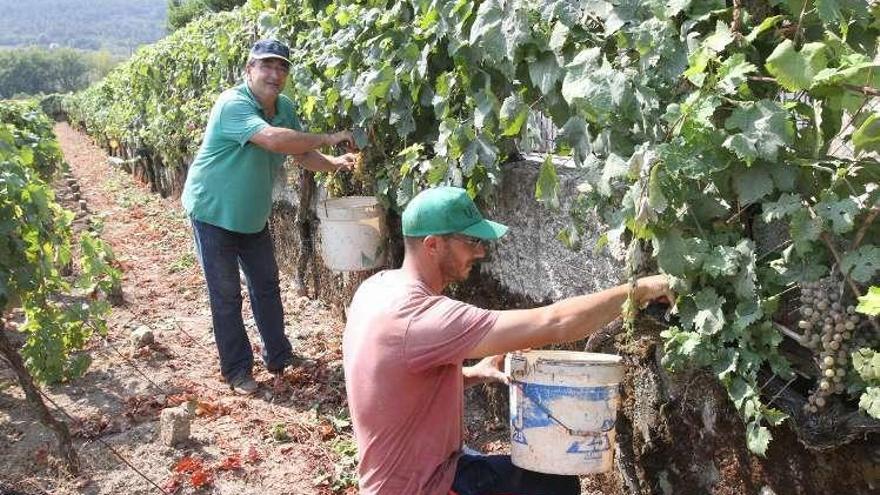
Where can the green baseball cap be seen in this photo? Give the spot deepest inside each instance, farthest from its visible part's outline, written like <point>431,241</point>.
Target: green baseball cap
<point>447,210</point>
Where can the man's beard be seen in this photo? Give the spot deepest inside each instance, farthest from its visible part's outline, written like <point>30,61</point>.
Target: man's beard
<point>449,269</point>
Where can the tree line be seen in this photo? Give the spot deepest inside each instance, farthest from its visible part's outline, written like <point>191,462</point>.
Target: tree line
<point>36,70</point>
<point>119,26</point>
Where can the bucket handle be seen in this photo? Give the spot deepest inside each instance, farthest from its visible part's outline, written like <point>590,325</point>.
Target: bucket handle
<point>519,364</point>
<point>606,426</point>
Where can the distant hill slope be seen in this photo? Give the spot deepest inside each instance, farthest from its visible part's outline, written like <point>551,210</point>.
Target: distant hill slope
<point>119,26</point>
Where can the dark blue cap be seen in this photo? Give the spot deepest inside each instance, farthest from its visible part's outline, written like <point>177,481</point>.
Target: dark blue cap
<point>270,49</point>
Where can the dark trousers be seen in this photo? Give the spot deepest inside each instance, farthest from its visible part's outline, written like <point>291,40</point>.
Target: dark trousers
<point>221,252</point>
<point>496,475</point>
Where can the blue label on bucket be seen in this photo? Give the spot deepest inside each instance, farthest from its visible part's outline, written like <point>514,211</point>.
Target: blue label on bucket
<point>591,448</point>
<point>533,412</point>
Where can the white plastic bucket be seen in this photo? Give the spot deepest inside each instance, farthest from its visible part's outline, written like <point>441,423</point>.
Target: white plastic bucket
<point>352,233</point>
<point>563,408</point>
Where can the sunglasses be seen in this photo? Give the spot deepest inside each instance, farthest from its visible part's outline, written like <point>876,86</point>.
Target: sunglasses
<point>471,241</point>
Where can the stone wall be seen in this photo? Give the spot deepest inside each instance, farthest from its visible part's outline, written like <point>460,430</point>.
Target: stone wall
<point>530,261</point>
<point>529,264</point>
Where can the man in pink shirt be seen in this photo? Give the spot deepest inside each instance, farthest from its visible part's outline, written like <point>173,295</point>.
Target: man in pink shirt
<point>404,347</point>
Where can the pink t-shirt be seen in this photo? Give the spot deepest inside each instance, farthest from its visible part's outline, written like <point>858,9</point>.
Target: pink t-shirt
<point>403,350</point>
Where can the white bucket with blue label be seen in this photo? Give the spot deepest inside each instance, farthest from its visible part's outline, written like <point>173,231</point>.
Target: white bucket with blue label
<point>563,408</point>
<point>352,233</point>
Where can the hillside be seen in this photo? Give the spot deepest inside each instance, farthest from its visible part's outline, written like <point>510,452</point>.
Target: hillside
<point>119,26</point>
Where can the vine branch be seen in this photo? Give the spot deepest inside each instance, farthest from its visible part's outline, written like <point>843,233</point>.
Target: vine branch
<point>860,235</point>
<point>865,90</point>
<point>737,16</point>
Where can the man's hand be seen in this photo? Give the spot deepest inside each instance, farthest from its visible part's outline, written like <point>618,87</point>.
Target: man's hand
<point>489,369</point>
<point>653,288</point>
<point>344,162</point>
<point>342,137</point>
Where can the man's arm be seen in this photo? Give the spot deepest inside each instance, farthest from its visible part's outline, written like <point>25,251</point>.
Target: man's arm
<point>291,142</point>
<point>564,321</point>
<point>319,162</point>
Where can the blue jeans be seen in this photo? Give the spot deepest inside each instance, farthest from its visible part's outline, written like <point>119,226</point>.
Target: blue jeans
<point>478,474</point>
<point>220,253</point>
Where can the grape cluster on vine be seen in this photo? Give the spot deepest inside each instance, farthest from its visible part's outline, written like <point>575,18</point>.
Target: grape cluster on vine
<point>829,322</point>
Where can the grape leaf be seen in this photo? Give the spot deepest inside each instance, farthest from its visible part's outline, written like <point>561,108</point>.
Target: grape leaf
<point>765,127</point>
<point>512,115</point>
<point>595,87</point>
<point>840,213</point>
<point>687,158</point>
<point>832,11</point>
<point>867,136</point>
<point>740,391</point>
<point>866,362</point>
<point>698,61</point>
<point>558,37</point>
<point>719,40</point>
<point>765,25</point>
<point>721,261</point>
<point>804,229</point>
<point>752,184</point>
<point>486,150</point>
<point>746,313</point>
<point>547,186</point>
<point>869,304</point>
<point>784,176</point>
<point>829,10</point>
<point>401,117</point>
<point>484,110</point>
<point>576,134</point>
<point>744,282</point>
<point>774,416</point>
<point>795,70</point>
<point>656,198</point>
<point>486,31</point>
<point>870,402</point>
<point>682,349</point>
<point>742,147</point>
<point>710,318</point>
<point>673,7</point>
<point>669,249</point>
<point>862,264</point>
<point>614,167</point>
<point>515,29</point>
<point>544,72</point>
<point>578,73</point>
<point>725,363</point>
<point>797,269</point>
<point>732,73</point>
<point>784,206</point>
<point>469,158</point>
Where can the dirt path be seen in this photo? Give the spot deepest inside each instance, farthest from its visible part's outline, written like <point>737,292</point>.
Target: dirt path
<point>293,437</point>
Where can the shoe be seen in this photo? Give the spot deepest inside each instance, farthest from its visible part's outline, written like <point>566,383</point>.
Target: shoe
<point>244,385</point>
<point>292,361</point>
<point>279,370</point>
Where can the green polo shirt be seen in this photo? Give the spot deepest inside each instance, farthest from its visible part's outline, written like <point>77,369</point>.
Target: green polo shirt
<point>229,184</point>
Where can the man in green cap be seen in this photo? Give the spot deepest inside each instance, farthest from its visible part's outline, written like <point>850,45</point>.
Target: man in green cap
<point>405,343</point>
<point>228,196</point>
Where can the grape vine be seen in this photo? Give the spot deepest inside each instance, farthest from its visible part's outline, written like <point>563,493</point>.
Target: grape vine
<point>60,315</point>
<point>736,143</point>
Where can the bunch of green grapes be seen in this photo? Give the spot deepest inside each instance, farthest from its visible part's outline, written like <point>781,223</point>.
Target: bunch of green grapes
<point>829,324</point>
<point>335,185</point>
